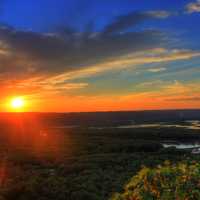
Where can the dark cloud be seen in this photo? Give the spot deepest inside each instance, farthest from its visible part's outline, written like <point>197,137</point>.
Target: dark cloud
<point>121,23</point>
<point>28,53</point>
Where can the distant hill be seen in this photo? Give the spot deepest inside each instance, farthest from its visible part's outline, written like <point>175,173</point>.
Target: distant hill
<point>104,118</point>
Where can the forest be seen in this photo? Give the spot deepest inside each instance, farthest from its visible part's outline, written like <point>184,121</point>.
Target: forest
<point>82,163</point>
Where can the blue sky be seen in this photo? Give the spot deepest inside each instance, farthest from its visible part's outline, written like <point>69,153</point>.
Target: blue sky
<point>51,15</point>
<point>43,15</point>
<point>103,48</point>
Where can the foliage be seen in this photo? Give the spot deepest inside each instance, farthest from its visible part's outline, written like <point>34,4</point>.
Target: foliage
<point>180,181</point>
<point>92,164</point>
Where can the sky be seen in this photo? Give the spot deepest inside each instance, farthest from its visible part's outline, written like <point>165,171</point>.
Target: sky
<point>102,55</point>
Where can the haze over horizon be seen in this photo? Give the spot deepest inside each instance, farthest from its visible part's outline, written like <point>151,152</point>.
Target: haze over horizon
<point>84,55</point>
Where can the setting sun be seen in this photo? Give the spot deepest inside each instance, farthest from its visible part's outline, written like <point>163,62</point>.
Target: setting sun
<point>17,103</point>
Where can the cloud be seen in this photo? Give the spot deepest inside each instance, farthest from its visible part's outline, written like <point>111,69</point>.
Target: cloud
<point>179,90</point>
<point>132,60</point>
<point>182,92</point>
<point>26,54</point>
<point>31,53</point>
<point>121,23</point>
<point>165,95</point>
<point>156,70</point>
<point>193,7</point>
<point>32,62</point>
<point>185,99</point>
<point>167,90</point>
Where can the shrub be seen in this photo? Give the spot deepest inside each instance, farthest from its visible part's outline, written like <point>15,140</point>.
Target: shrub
<point>167,182</point>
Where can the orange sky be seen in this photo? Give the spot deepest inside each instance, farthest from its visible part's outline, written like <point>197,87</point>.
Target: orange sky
<point>174,96</point>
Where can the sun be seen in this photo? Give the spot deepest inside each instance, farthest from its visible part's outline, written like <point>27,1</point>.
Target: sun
<point>17,103</point>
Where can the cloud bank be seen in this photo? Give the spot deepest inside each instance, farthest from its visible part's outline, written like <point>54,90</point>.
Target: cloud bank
<point>25,54</point>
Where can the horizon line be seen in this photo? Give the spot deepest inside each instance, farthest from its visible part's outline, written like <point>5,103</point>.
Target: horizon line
<point>109,111</point>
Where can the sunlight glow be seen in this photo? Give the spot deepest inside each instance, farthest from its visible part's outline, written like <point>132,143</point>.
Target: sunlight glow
<point>17,103</point>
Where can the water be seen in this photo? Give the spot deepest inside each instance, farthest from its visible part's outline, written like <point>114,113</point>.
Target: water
<point>194,125</point>
<point>182,145</point>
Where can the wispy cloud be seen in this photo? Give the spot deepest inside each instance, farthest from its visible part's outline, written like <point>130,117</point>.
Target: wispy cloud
<point>157,69</point>
<point>157,55</point>
<point>121,23</point>
<point>166,96</point>
<point>193,7</point>
<point>185,99</point>
<point>63,82</point>
<point>178,90</point>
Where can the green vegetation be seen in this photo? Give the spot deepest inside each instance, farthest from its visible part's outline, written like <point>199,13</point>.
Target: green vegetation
<point>88,165</point>
<point>180,181</point>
